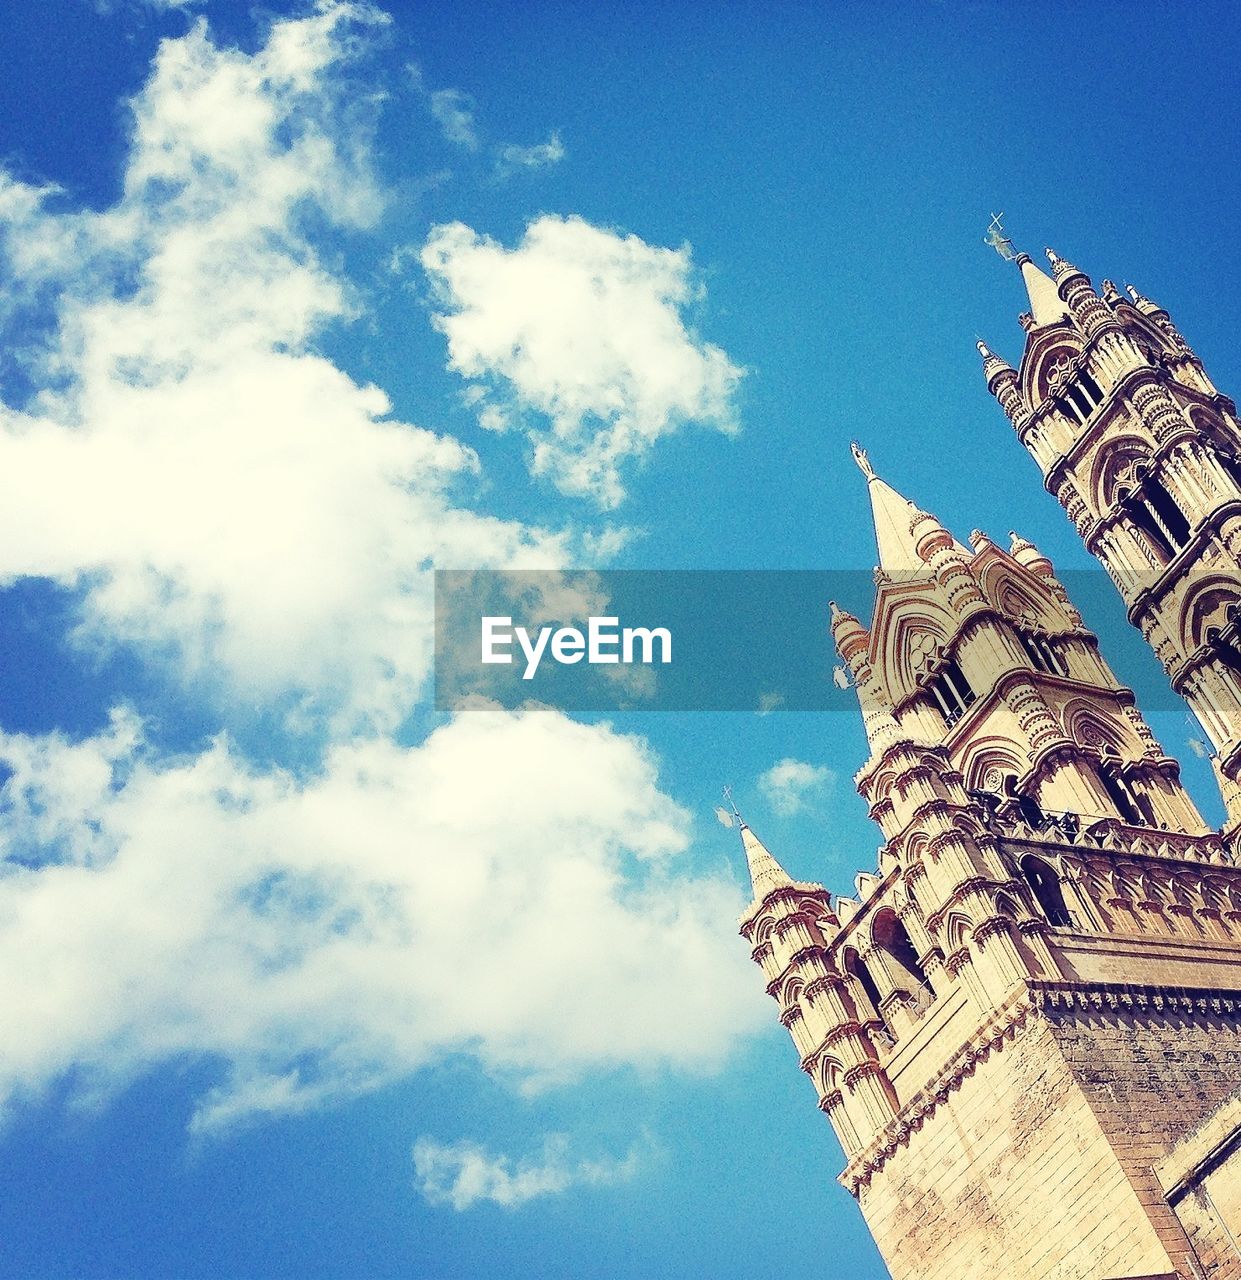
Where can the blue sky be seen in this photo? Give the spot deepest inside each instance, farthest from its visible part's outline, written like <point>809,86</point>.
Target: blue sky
<point>304,979</point>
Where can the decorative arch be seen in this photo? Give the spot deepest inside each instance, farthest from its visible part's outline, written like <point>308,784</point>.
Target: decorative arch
<point>958,929</point>
<point>908,637</point>
<point>883,783</point>
<point>1025,608</point>
<point>1211,605</point>
<point>1086,725</point>
<point>1044,884</point>
<point>891,936</point>
<point>1048,353</point>
<point>1151,340</point>
<point>1116,468</point>
<point>987,762</point>
<point>916,849</point>
<point>828,1073</point>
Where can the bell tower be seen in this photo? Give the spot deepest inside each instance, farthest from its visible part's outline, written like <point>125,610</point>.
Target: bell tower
<point>1024,1024</point>
<point>1144,454</point>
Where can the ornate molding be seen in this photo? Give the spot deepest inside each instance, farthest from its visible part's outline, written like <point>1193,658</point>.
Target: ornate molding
<point>1041,998</point>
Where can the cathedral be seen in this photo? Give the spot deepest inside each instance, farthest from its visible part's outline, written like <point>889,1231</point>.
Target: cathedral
<point>1025,1025</point>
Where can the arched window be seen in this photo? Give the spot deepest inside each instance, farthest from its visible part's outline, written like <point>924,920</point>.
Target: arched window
<point>1070,408</point>
<point>1046,889</point>
<point>1042,655</point>
<point>1226,646</point>
<point>1078,398</point>
<point>1004,907</point>
<point>1027,806</point>
<point>1136,509</point>
<point>1091,388</point>
<point>1168,513</point>
<point>1228,461</point>
<point>1132,806</point>
<point>853,966</point>
<point>893,937</point>
<point>1076,394</point>
<point>952,692</point>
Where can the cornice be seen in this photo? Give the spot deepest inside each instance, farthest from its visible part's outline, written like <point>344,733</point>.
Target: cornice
<point>1004,1025</point>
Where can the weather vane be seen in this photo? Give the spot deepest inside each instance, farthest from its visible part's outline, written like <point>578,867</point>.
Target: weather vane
<point>996,238</point>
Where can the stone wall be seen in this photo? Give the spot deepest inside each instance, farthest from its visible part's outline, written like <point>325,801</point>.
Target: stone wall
<point>1162,1078</point>
<point>1009,1174</point>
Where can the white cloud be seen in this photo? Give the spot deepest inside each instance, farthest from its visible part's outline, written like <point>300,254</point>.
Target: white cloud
<point>510,157</point>
<point>221,495</point>
<point>578,335</point>
<point>454,111</point>
<point>791,785</point>
<point>464,1174</point>
<point>227,501</point>
<point>509,889</point>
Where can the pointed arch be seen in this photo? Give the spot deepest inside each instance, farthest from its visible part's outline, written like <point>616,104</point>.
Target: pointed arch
<point>1219,438</point>
<point>1044,884</point>
<point>1021,596</point>
<point>911,628</point>
<point>1089,726</point>
<point>987,761</point>
<point>1150,338</point>
<point>1116,466</point>
<point>865,993</point>
<point>958,929</point>
<point>891,936</point>
<point>1208,606</point>
<point>1048,350</point>
<point>827,1074</point>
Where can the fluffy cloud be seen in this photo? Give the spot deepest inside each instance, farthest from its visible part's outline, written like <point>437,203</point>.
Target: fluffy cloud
<point>507,889</point>
<point>222,498</point>
<point>220,494</point>
<point>791,785</point>
<point>464,1174</point>
<point>579,336</point>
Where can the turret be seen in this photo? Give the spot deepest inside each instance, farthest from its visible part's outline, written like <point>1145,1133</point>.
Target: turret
<point>1144,454</point>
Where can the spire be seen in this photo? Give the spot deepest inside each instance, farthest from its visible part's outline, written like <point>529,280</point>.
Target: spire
<point>894,516</point>
<point>1143,304</point>
<point>766,873</point>
<point>1046,305</point>
<point>992,365</point>
<point>1026,553</point>
<point>1061,267</point>
<point>901,529</point>
<point>848,633</point>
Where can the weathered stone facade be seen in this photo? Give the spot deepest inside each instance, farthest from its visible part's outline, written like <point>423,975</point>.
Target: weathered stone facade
<point>1025,1027</point>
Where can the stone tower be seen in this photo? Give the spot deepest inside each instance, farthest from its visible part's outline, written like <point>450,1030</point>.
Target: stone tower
<point>1025,1027</point>
<point>1145,456</point>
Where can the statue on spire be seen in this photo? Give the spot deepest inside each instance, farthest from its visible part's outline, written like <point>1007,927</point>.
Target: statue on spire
<point>996,238</point>
<point>859,456</point>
